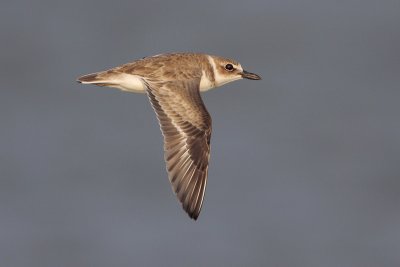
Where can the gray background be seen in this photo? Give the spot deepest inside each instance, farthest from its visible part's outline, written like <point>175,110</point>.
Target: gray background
<point>305,166</point>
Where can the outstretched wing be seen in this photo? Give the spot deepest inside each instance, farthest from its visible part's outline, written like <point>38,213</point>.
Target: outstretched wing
<point>186,126</point>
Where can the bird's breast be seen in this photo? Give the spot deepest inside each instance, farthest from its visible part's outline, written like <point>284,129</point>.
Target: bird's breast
<point>205,83</point>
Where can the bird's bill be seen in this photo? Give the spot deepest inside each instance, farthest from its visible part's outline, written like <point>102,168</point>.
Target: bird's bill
<point>249,75</point>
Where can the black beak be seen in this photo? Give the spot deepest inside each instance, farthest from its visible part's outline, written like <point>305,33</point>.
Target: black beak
<point>249,75</point>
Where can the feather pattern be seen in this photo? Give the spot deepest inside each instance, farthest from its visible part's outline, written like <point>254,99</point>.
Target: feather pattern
<point>186,126</point>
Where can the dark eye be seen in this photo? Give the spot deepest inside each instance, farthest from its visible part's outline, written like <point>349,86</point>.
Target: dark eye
<point>229,67</point>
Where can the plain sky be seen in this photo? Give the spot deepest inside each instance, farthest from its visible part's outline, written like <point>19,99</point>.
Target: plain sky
<point>305,164</point>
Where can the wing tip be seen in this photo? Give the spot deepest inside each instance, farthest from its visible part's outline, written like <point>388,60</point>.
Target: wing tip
<point>194,216</point>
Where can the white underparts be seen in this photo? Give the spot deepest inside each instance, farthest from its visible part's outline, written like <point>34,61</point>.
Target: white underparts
<point>217,76</point>
<point>127,82</point>
<point>205,83</point>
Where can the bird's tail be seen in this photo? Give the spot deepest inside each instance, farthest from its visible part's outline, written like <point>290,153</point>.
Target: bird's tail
<point>99,78</point>
<point>116,79</point>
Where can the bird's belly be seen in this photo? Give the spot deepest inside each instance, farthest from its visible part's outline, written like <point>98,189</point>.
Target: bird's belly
<point>130,83</point>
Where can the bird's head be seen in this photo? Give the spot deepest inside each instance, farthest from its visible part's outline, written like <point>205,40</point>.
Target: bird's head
<point>228,70</point>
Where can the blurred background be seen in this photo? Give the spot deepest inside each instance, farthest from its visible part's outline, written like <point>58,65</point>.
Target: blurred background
<point>305,164</point>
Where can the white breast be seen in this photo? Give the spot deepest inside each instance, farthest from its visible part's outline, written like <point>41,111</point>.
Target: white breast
<point>205,83</point>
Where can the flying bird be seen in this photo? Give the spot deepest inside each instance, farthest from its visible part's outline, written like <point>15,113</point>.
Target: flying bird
<point>173,83</point>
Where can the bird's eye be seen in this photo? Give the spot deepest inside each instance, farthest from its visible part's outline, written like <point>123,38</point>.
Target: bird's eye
<point>229,67</point>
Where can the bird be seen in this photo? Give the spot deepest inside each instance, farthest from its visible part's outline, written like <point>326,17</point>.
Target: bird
<point>173,83</point>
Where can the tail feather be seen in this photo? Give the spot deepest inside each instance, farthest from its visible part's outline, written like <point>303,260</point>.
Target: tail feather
<point>90,78</point>
<point>102,78</point>
<point>112,78</point>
